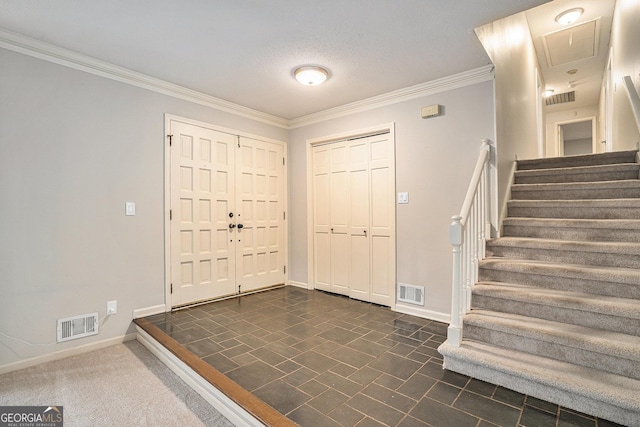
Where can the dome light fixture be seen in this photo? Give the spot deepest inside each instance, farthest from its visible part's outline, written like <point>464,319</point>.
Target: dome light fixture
<point>311,75</point>
<point>569,16</point>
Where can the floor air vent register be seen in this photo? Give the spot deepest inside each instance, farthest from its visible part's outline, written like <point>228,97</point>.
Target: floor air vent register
<point>75,327</point>
<point>411,294</point>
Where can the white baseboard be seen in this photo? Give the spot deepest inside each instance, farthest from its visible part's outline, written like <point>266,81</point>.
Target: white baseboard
<point>298,284</point>
<point>148,311</point>
<point>227,407</point>
<point>425,314</point>
<point>27,363</point>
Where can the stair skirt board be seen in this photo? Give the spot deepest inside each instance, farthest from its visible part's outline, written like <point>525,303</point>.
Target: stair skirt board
<point>604,399</point>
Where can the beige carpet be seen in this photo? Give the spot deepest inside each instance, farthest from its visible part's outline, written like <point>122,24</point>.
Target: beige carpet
<point>122,385</point>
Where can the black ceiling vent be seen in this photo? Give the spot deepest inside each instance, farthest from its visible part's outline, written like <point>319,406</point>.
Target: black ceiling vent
<point>561,98</point>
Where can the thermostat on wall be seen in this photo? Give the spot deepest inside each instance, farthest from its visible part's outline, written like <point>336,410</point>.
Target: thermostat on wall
<point>432,111</point>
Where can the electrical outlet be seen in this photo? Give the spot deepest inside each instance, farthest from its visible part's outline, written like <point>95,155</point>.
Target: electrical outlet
<point>112,307</point>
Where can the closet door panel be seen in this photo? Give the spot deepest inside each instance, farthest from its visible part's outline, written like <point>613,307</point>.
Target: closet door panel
<point>359,213</point>
<point>382,220</point>
<point>321,215</point>
<point>359,283</point>
<point>339,216</point>
<point>382,278</point>
<point>354,218</point>
<point>340,263</point>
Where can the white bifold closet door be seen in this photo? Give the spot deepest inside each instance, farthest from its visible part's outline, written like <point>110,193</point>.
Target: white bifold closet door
<point>354,218</point>
<point>227,214</point>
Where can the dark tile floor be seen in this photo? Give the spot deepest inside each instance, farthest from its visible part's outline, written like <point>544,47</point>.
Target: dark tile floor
<point>326,360</point>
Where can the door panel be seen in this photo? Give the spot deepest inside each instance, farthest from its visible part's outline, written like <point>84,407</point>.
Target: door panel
<point>213,175</point>
<point>200,263</point>
<point>261,238</point>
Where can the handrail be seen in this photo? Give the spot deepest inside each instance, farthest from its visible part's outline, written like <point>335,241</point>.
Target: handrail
<point>483,158</point>
<point>468,233</point>
<point>634,98</point>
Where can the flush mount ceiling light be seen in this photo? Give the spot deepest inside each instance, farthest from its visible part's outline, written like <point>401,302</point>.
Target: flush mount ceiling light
<point>569,16</point>
<point>311,75</point>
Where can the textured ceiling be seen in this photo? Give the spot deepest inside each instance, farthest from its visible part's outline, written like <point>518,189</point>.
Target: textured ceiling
<point>244,51</point>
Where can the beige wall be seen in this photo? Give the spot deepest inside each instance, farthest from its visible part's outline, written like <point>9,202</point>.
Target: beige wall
<point>434,162</point>
<point>509,45</point>
<point>74,147</point>
<point>625,34</point>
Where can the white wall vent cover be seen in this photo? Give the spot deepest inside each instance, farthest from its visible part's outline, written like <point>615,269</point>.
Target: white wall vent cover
<point>411,294</point>
<point>77,327</point>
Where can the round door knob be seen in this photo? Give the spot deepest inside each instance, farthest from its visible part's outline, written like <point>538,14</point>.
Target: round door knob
<point>240,226</point>
<point>231,226</point>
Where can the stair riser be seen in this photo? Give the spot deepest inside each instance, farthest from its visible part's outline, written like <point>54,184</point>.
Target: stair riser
<point>572,233</point>
<point>609,193</point>
<point>611,363</point>
<point>583,177</point>
<point>575,212</point>
<point>567,256</point>
<point>548,281</point>
<point>608,322</point>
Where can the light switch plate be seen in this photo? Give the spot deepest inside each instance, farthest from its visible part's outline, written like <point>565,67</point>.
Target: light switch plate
<point>403,198</point>
<point>112,307</point>
<point>129,208</point>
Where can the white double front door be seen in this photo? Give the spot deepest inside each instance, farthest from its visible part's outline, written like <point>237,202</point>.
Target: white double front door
<point>354,218</point>
<point>226,213</point>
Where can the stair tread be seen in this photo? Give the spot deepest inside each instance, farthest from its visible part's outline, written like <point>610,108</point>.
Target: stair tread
<point>578,380</point>
<point>621,275</point>
<point>579,169</point>
<point>629,248</point>
<point>623,307</point>
<point>623,224</point>
<point>566,334</point>
<point>615,157</point>
<point>586,203</point>
<point>597,185</point>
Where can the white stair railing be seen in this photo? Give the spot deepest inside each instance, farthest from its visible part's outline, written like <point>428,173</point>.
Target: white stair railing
<point>468,233</point>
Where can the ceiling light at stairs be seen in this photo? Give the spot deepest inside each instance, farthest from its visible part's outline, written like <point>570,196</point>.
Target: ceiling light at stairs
<point>569,16</point>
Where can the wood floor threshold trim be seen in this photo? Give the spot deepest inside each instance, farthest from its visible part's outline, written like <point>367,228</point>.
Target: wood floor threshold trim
<point>249,402</point>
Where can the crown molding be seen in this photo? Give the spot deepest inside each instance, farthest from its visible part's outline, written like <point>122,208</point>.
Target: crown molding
<point>58,55</point>
<point>48,52</point>
<point>455,81</point>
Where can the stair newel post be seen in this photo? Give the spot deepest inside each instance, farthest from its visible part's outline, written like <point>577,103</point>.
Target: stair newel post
<point>454,332</point>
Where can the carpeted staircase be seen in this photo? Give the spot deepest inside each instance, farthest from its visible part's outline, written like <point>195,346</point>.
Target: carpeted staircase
<point>556,311</point>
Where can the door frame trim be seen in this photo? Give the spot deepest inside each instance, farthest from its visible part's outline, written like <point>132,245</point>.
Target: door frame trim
<point>594,134</point>
<point>167,196</point>
<point>310,143</point>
